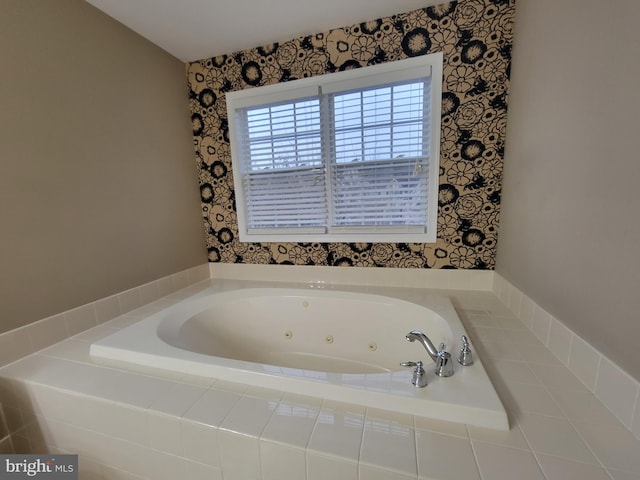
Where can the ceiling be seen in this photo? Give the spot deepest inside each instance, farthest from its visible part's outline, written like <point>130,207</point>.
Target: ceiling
<point>196,29</point>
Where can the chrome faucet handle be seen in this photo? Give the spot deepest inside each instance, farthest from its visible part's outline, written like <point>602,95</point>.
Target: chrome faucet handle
<point>444,367</point>
<point>419,379</point>
<point>466,357</point>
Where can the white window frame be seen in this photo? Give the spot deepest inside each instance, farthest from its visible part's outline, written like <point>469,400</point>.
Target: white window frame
<point>412,68</point>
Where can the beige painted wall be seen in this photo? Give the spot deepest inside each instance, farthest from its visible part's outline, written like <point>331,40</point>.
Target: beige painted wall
<point>98,189</point>
<point>570,226</point>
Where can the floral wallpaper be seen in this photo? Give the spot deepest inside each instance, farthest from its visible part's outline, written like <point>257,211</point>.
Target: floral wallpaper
<point>475,37</point>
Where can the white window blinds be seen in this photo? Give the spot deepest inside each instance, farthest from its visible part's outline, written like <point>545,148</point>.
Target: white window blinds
<point>380,147</point>
<point>350,156</point>
<point>282,174</point>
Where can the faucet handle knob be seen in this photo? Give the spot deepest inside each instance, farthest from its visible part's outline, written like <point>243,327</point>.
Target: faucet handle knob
<point>466,357</point>
<point>419,379</point>
<point>410,364</point>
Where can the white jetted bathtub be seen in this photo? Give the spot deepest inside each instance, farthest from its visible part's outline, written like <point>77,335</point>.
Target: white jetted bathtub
<point>334,344</point>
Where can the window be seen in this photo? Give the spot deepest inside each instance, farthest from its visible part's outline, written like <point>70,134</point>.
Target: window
<point>346,157</point>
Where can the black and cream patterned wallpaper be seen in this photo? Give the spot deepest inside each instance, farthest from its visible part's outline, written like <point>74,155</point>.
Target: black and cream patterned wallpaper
<point>475,37</point>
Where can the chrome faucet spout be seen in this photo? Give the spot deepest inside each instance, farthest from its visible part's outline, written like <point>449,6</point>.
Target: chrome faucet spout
<point>414,335</point>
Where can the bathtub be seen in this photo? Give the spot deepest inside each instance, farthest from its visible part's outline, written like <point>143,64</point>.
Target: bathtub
<point>329,343</point>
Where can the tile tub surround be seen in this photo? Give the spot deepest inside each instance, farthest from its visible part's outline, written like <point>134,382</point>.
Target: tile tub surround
<point>135,425</point>
<point>617,390</point>
<point>35,336</point>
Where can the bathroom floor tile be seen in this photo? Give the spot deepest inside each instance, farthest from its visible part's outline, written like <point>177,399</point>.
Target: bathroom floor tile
<point>513,438</point>
<point>581,405</point>
<point>495,350</point>
<point>509,322</point>
<point>534,399</point>
<point>524,337</point>
<point>445,457</point>
<point>485,334</point>
<point>612,444</point>
<point>538,353</point>
<point>480,319</point>
<point>515,371</point>
<point>555,436</point>
<point>559,377</point>
<point>492,304</point>
<point>621,475</point>
<point>503,463</point>
<point>556,468</point>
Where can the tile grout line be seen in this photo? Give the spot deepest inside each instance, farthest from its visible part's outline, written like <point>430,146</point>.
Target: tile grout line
<point>415,445</point>
<point>571,422</point>
<point>595,455</point>
<point>475,454</point>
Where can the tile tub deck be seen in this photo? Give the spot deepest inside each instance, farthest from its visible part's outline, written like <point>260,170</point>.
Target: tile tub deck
<point>127,424</point>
